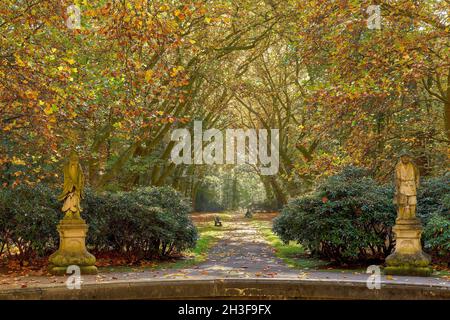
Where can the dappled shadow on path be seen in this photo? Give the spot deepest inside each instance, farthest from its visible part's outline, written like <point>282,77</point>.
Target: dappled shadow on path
<point>242,252</point>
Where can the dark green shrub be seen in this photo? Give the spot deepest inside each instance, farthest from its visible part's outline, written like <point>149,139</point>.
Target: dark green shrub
<point>433,208</point>
<point>433,197</point>
<point>173,216</point>
<point>297,221</point>
<point>349,218</point>
<point>27,221</point>
<point>97,211</point>
<point>436,234</point>
<point>144,223</point>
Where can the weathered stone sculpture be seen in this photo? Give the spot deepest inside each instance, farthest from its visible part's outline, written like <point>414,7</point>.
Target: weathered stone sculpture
<point>72,228</point>
<point>73,188</point>
<point>406,184</point>
<point>408,257</point>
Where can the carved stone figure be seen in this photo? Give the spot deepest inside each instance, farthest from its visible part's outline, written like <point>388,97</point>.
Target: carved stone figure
<point>73,187</point>
<point>408,257</point>
<point>406,184</point>
<point>72,229</point>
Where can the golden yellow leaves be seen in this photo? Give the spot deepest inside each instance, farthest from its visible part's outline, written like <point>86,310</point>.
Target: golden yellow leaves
<point>8,127</point>
<point>81,2</point>
<point>171,26</point>
<point>18,173</point>
<point>19,61</point>
<point>148,75</point>
<point>226,19</point>
<point>50,109</point>
<point>164,7</point>
<point>223,19</point>
<point>17,161</point>
<point>69,61</point>
<point>175,70</point>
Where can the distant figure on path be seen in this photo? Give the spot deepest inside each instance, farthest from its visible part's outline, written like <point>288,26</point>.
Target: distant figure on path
<point>217,222</point>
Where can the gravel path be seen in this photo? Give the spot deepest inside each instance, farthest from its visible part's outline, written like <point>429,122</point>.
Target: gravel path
<point>241,253</point>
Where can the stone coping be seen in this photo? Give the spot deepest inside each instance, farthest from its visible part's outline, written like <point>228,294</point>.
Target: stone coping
<point>230,288</point>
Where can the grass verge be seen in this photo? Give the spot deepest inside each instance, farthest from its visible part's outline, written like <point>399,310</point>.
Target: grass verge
<point>208,237</point>
<point>293,254</point>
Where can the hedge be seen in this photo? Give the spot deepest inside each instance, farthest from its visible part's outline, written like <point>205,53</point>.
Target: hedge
<point>145,223</point>
<point>349,218</point>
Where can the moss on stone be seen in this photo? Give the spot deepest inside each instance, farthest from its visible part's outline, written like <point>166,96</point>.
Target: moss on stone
<point>61,271</point>
<point>408,270</point>
<point>63,258</point>
<point>419,259</point>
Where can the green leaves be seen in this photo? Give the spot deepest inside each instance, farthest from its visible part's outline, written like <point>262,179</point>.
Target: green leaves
<point>140,224</point>
<point>352,224</point>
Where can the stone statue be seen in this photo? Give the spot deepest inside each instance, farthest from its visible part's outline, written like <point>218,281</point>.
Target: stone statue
<point>406,184</point>
<point>72,228</point>
<point>408,257</point>
<point>73,188</point>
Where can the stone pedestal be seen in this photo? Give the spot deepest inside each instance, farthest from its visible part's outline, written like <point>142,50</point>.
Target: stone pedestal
<point>72,248</point>
<point>408,257</point>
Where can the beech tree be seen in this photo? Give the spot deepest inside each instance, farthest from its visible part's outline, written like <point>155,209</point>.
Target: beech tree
<point>116,85</point>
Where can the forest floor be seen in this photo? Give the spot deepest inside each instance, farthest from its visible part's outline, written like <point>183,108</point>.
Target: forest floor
<point>241,248</point>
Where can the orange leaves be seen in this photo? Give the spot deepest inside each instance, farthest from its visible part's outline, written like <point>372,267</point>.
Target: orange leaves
<point>179,14</point>
<point>201,10</point>
<point>184,120</point>
<point>168,120</point>
<point>31,94</point>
